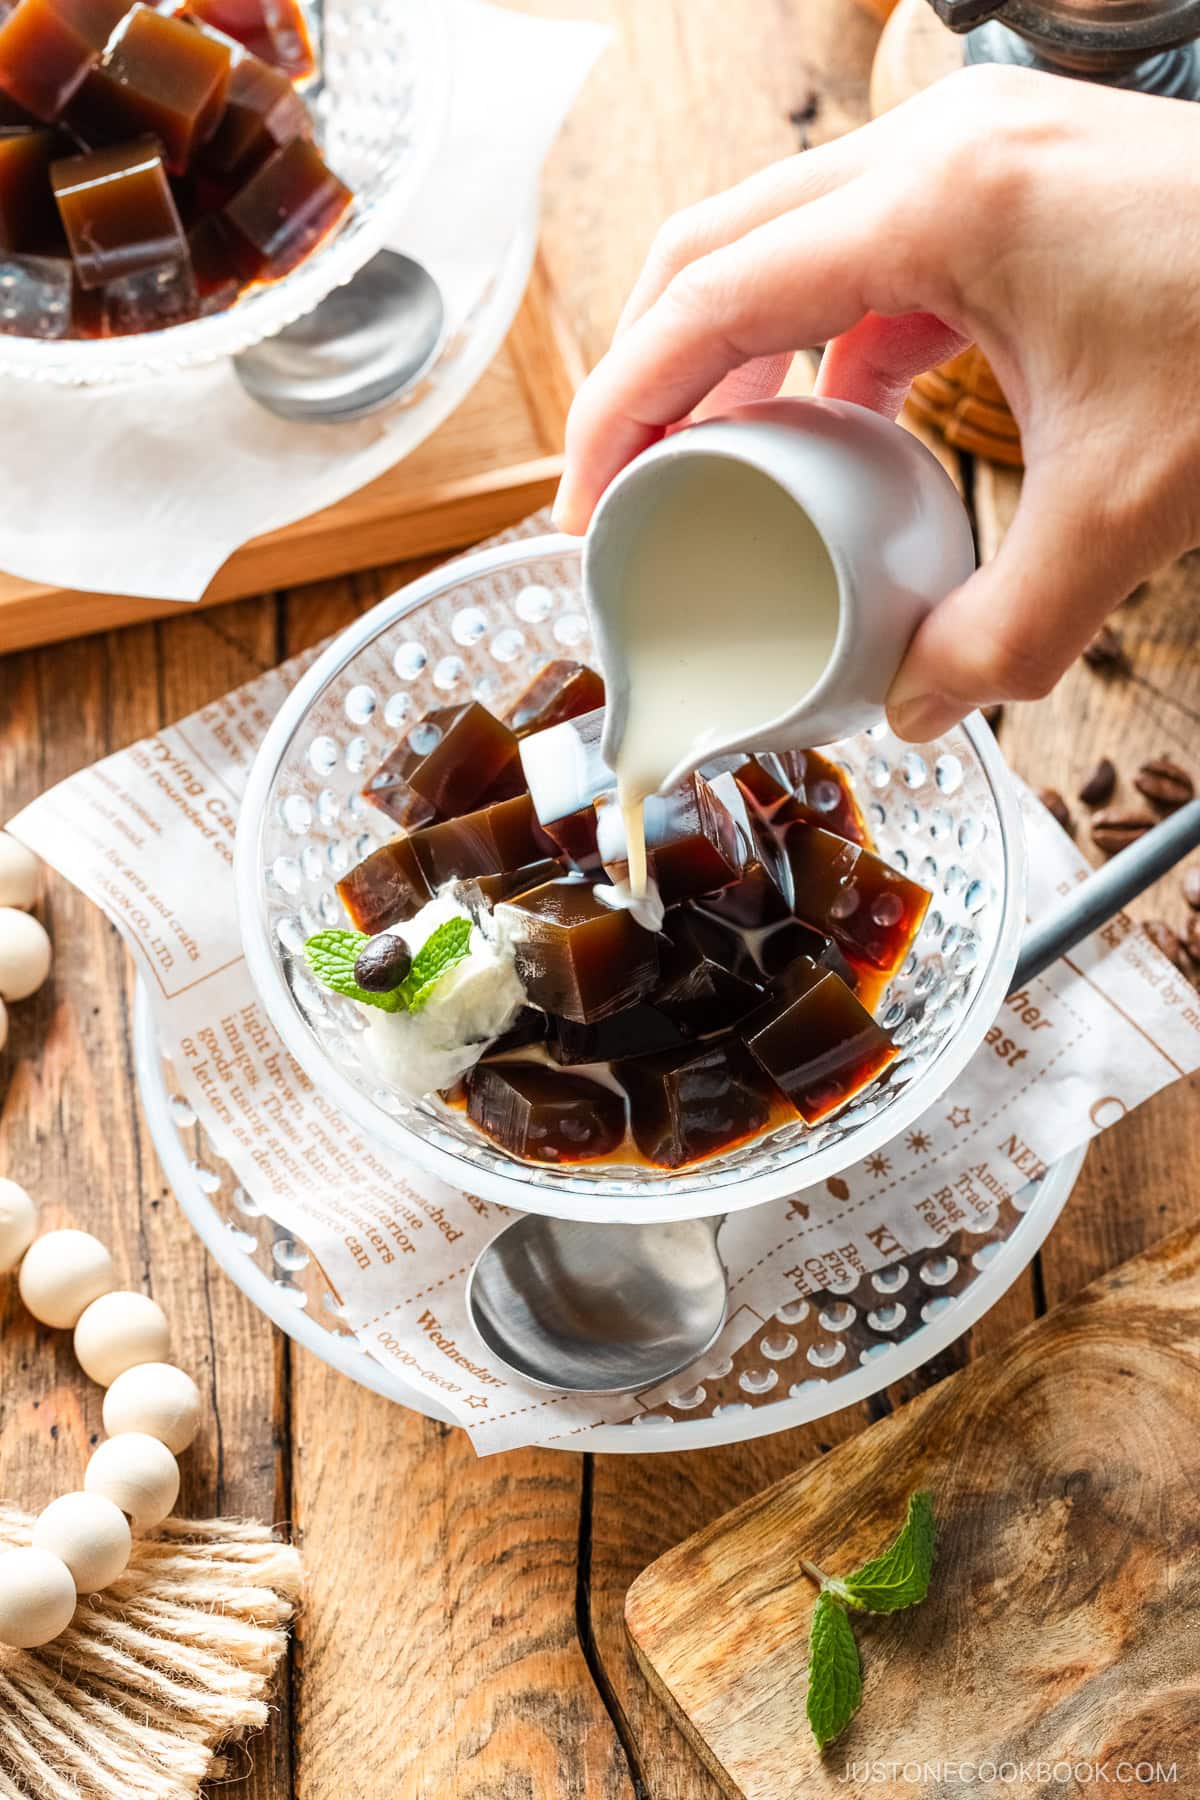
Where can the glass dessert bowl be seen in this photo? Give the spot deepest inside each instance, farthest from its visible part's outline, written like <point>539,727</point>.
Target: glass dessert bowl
<point>378,101</point>
<point>941,817</point>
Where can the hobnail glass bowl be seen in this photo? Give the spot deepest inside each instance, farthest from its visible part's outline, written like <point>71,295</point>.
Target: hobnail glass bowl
<point>380,100</point>
<point>945,812</point>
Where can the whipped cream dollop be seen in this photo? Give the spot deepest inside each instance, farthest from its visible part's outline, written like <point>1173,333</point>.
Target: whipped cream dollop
<point>417,1053</point>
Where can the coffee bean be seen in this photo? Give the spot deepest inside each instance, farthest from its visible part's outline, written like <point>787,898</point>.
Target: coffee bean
<point>382,964</point>
<point>992,714</point>
<point>1056,806</point>
<point>1106,651</point>
<point>1097,790</point>
<point>1166,940</point>
<point>1164,782</point>
<point>1191,886</point>
<point>1112,831</point>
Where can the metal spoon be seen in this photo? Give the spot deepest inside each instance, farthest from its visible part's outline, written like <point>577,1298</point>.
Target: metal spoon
<point>612,1309</point>
<point>362,347</point>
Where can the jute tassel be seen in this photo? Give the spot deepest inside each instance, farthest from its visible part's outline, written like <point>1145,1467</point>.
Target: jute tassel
<point>155,1675</point>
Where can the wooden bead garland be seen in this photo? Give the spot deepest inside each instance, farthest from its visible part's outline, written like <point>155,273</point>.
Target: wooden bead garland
<point>82,1541</point>
<point>25,951</point>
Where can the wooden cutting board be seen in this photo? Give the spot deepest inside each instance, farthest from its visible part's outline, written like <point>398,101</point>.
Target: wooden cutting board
<point>1063,1623</point>
<point>495,460</point>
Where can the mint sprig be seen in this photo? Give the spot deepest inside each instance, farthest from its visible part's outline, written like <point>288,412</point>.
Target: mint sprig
<point>897,1578</point>
<point>331,955</point>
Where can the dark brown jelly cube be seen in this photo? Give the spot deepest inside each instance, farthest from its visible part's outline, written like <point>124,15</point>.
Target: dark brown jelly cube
<point>491,889</point>
<point>11,114</point>
<point>158,76</point>
<point>529,1027</point>
<point>262,112</point>
<point>213,267</point>
<point>760,778</point>
<point>821,794</point>
<point>542,1115</point>
<point>695,1102</point>
<point>274,30</point>
<point>385,888</point>
<point>756,899</point>
<point>448,761</point>
<point>28,215</point>
<point>816,1041</point>
<point>566,774</point>
<point>707,982</point>
<point>577,956</point>
<point>491,841</point>
<point>638,1030</point>
<point>47,48</point>
<point>560,691</point>
<point>285,209</point>
<point>118,213</point>
<point>849,894</point>
<point>693,845</point>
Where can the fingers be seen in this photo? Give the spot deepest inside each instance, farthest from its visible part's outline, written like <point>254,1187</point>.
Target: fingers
<point>757,380</point>
<point>1021,620</point>
<point>794,281</point>
<point>875,361</point>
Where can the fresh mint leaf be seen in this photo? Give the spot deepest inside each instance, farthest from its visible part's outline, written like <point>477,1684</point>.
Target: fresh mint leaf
<point>331,955</point>
<point>442,951</point>
<point>900,1576</point>
<point>834,1671</point>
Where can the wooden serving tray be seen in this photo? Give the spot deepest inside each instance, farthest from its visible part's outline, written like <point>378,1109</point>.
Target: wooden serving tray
<point>1063,1622</point>
<point>495,460</point>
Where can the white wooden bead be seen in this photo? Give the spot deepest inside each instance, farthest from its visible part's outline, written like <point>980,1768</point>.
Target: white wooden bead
<point>89,1534</point>
<point>63,1272</point>
<point>136,1473</point>
<point>18,873</point>
<point>157,1398</point>
<point>37,1598</point>
<point>24,954</point>
<point>18,1223</point>
<point>118,1330</point>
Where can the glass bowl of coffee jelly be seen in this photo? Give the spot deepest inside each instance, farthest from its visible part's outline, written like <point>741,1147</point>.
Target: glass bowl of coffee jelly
<point>840,926</point>
<point>178,182</point>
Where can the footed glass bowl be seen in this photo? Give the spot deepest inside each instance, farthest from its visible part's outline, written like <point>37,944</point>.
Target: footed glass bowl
<point>943,812</point>
<point>380,100</point>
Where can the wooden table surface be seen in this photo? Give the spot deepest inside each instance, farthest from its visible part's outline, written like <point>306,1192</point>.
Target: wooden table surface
<point>463,1629</point>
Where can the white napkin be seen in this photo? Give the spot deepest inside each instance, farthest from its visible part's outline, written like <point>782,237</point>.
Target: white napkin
<point>148,488</point>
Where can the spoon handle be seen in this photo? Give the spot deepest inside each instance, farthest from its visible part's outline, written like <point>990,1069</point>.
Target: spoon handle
<point>1103,894</point>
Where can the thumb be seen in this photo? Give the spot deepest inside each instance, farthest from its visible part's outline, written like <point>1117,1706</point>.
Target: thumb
<point>1011,630</point>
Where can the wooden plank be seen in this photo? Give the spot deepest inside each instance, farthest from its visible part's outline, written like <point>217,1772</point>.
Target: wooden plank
<point>1074,1452</point>
<point>494,461</point>
<point>71,1127</point>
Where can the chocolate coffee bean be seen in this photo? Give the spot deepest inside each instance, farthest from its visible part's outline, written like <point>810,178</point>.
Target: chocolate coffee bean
<point>1106,651</point>
<point>1097,790</point>
<point>1166,940</point>
<point>1056,806</point>
<point>382,964</point>
<point>1113,831</point>
<point>1164,782</point>
<point>1191,886</point>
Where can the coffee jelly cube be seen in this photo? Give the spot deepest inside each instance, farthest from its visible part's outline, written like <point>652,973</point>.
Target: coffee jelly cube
<point>37,296</point>
<point>47,48</point>
<point>274,30</point>
<point>695,1102</point>
<point>566,774</point>
<point>638,1030</point>
<point>821,794</point>
<point>118,213</point>
<point>12,115</point>
<point>284,210</point>
<point>706,982</point>
<point>385,888</point>
<point>262,112</point>
<point>490,841</point>
<point>28,216</point>
<point>760,778</point>
<point>560,691</point>
<point>158,76</point>
<point>756,899</point>
<point>577,956</point>
<point>529,1027</point>
<point>543,1115</point>
<point>506,885</point>
<point>214,270</point>
<point>693,845</point>
<point>816,1041</point>
<point>448,761</point>
<point>846,892</point>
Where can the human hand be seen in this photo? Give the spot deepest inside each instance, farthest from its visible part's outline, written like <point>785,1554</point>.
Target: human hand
<point>1055,223</point>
